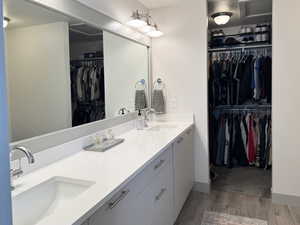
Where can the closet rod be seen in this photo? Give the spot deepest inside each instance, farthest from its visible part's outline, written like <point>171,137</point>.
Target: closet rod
<point>239,48</point>
<point>239,111</point>
<point>243,107</point>
<point>87,59</point>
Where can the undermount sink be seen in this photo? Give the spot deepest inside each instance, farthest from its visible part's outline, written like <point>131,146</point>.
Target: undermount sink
<point>162,126</point>
<point>45,199</point>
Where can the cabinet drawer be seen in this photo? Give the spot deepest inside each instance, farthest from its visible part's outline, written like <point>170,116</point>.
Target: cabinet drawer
<point>146,177</point>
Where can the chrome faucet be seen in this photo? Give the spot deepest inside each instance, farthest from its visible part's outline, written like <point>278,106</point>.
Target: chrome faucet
<point>26,152</point>
<point>18,172</point>
<point>149,112</point>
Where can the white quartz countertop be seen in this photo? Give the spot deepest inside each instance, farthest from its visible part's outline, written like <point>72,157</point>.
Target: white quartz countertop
<point>110,171</point>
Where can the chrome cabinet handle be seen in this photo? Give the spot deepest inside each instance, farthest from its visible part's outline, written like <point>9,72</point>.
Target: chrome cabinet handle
<point>113,204</point>
<point>158,197</point>
<point>161,162</point>
<point>180,140</point>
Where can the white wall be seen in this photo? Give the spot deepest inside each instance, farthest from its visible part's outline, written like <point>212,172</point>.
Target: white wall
<point>112,17</point>
<point>120,10</point>
<point>180,59</point>
<point>125,62</point>
<point>286,98</point>
<point>39,79</point>
<point>5,193</point>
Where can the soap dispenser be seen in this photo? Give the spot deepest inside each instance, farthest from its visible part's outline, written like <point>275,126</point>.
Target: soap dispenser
<point>140,121</point>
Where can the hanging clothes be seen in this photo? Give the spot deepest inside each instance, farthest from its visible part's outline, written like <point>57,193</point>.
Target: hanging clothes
<point>236,80</point>
<point>242,140</point>
<point>87,91</point>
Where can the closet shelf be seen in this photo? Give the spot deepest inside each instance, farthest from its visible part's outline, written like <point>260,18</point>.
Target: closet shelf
<point>240,48</point>
<point>241,34</point>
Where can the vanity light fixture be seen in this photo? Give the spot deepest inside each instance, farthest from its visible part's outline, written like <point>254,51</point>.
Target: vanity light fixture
<point>155,33</point>
<point>148,27</point>
<point>5,22</point>
<point>144,23</point>
<point>137,20</point>
<point>222,18</point>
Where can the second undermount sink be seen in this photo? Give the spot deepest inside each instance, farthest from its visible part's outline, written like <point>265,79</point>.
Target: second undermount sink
<point>162,127</point>
<point>45,199</point>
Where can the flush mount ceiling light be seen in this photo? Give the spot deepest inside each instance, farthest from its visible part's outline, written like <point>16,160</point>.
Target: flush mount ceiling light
<point>222,18</point>
<point>5,22</point>
<point>145,24</point>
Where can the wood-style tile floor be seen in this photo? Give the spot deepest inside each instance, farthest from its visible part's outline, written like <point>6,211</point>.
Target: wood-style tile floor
<point>236,200</point>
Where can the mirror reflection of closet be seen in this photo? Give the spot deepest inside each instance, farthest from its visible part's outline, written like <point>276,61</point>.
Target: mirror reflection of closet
<point>63,72</point>
<point>87,74</point>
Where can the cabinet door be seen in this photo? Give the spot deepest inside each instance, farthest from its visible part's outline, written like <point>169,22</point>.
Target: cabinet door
<point>85,223</point>
<point>189,146</point>
<point>183,170</point>
<point>162,198</point>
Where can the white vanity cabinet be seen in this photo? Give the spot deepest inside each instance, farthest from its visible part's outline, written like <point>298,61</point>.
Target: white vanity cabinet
<point>183,164</point>
<point>156,195</point>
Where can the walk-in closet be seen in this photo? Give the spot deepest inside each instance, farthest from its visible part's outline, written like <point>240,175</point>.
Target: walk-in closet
<point>240,96</point>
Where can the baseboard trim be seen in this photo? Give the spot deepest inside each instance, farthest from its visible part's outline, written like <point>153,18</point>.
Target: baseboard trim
<point>202,187</point>
<point>286,199</point>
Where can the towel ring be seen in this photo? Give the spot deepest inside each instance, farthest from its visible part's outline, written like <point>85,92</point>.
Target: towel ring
<point>159,84</point>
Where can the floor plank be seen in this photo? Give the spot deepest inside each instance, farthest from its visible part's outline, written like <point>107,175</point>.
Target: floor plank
<point>233,193</point>
<point>235,204</point>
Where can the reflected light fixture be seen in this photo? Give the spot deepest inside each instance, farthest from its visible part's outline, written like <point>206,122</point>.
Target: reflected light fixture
<point>222,18</point>
<point>137,20</point>
<point>5,22</point>
<point>145,24</point>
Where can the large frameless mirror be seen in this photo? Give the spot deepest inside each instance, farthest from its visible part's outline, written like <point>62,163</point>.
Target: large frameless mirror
<point>63,72</point>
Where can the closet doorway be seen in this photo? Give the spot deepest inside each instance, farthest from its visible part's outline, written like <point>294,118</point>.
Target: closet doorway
<point>240,96</point>
<point>87,74</point>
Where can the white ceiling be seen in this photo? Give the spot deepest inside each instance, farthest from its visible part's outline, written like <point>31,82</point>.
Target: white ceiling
<point>22,13</point>
<point>244,11</point>
<point>154,4</point>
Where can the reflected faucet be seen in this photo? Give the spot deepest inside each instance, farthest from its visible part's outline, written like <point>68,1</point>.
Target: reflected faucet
<point>18,172</point>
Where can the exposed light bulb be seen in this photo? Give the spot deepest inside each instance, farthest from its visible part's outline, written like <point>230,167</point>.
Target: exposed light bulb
<point>146,29</point>
<point>137,23</point>
<point>222,18</point>
<point>5,22</point>
<point>155,33</point>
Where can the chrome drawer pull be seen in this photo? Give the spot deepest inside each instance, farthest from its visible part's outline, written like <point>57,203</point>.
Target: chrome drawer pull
<point>180,140</point>
<point>113,204</point>
<point>158,197</point>
<point>161,162</point>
